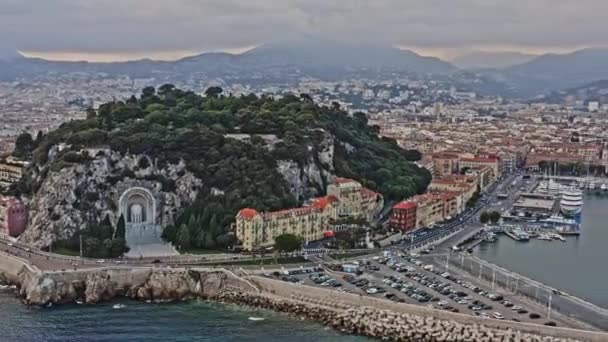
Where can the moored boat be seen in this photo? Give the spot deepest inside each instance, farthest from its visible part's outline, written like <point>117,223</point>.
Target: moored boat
<point>571,202</point>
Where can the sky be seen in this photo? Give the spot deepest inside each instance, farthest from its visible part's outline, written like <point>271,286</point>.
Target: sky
<point>168,29</point>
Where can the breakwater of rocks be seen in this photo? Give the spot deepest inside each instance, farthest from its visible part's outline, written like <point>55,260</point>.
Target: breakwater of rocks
<point>382,324</point>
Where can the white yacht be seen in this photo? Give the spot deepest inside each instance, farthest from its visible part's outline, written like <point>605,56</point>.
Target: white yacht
<point>545,237</point>
<point>591,186</point>
<point>550,186</point>
<point>557,237</point>
<point>604,187</point>
<point>571,203</point>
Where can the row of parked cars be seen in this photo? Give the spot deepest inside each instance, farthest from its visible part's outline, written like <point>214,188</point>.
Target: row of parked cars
<point>410,290</point>
<point>460,297</point>
<point>324,280</point>
<point>365,285</point>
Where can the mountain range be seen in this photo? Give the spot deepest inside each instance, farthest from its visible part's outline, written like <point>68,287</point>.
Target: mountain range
<point>491,60</point>
<point>527,76</point>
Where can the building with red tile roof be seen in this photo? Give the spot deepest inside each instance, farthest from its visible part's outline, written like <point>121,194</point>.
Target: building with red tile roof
<point>346,198</point>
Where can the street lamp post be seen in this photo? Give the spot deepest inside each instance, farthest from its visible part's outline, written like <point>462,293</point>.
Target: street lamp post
<point>493,278</point>
<point>549,306</point>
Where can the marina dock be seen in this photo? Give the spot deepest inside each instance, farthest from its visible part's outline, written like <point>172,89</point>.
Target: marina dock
<point>512,236</point>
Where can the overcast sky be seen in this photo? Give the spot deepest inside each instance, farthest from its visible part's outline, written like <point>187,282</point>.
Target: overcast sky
<point>167,28</point>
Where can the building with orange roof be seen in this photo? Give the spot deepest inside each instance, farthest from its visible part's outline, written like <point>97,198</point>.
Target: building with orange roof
<point>492,162</point>
<point>445,164</point>
<point>403,217</point>
<point>354,199</point>
<point>464,185</point>
<point>426,210</point>
<point>346,198</point>
<point>258,230</point>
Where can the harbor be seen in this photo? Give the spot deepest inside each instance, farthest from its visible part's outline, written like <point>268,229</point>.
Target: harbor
<point>573,264</point>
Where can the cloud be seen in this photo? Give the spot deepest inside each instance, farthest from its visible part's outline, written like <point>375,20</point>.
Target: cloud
<point>160,25</point>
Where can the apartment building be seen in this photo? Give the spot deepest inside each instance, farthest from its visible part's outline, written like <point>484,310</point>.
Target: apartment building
<point>404,216</point>
<point>11,171</point>
<point>345,198</point>
<point>464,185</point>
<point>492,162</point>
<point>258,230</point>
<point>354,199</point>
<point>445,164</point>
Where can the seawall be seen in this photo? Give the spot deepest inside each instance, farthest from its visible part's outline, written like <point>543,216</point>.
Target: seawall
<point>343,311</point>
<point>342,301</point>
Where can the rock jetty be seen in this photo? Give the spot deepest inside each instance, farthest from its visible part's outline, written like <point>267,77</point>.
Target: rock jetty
<point>99,286</point>
<point>382,324</point>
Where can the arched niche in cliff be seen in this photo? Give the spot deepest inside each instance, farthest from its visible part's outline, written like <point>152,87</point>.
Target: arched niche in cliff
<point>138,206</point>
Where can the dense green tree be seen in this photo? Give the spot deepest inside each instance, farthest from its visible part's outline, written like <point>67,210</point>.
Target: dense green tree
<point>148,92</point>
<point>121,228</point>
<point>213,91</point>
<point>183,237</point>
<point>288,243</point>
<point>494,217</point>
<point>91,113</point>
<point>24,146</point>
<point>484,217</point>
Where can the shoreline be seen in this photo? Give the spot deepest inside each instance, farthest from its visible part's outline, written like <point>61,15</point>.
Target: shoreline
<point>346,313</point>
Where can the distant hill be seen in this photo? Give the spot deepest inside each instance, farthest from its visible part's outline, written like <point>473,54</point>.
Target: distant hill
<point>273,60</point>
<point>552,72</point>
<point>491,60</point>
<point>594,91</point>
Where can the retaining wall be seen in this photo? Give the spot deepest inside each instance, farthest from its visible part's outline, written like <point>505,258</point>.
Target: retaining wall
<point>12,266</point>
<point>288,290</point>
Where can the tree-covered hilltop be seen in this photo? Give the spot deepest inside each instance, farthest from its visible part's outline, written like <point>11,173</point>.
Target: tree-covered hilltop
<point>169,125</point>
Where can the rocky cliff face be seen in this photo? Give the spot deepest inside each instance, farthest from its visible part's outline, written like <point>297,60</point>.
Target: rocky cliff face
<point>69,197</point>
<point>102,285</point>
<point>311,178</point>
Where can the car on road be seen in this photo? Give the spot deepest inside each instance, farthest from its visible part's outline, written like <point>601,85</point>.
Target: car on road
<point>101,261</point>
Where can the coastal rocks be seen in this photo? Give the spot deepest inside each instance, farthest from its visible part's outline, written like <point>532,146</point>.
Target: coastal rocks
<point>166,285</point>
<point>171,285</point>
<point>47,290</point>
<point>382,324</point>
<point>99,287</point>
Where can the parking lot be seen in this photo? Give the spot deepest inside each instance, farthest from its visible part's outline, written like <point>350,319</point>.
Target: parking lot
<point>405,279</point>
<point>430,285</point>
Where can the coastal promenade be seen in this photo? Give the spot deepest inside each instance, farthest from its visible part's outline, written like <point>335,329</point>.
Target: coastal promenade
<point>346,312</point>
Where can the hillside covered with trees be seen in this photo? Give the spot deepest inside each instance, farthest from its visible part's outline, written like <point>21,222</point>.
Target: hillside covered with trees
<point>169,125</point>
